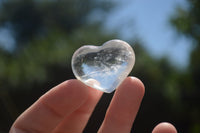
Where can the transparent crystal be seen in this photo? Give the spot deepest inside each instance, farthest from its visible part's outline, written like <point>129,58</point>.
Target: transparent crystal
<point>103,67</point>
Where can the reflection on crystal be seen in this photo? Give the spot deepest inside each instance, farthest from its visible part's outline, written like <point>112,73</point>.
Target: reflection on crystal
<point>103,67</point>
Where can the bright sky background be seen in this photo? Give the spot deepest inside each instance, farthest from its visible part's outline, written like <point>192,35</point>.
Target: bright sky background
<point>149,20</point>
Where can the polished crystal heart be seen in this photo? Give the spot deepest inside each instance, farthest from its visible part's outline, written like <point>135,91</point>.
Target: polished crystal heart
<point>103,67</point>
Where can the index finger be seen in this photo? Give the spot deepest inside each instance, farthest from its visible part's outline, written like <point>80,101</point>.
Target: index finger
<point>45,114</point>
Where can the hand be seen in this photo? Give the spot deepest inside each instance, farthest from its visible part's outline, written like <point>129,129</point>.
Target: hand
<point>68,107</point>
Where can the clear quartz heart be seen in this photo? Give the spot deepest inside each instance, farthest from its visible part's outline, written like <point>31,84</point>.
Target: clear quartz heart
<point>103,67</point>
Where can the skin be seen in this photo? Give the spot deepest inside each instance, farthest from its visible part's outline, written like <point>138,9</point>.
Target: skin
<point>67,108</point>
<point>164,127</point>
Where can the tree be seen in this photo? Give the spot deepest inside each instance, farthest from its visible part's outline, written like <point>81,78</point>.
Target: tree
<point>187,23</point>
<point>46,34</point>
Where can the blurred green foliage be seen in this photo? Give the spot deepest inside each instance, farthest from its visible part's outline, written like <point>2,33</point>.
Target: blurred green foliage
<point>46,34</point>
<point>187,23</point>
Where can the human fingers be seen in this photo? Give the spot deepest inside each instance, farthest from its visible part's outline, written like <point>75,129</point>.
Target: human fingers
<point>45,114</point>
<point>164,127</point>
<point>76,122</point>
<point>123,107</point>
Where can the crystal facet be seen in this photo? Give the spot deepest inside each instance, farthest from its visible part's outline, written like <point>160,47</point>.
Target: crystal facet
<point>103,67</point>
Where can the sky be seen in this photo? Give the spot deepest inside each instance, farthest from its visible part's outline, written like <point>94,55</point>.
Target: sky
<point>6,39</point>
<point>148,20</point>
